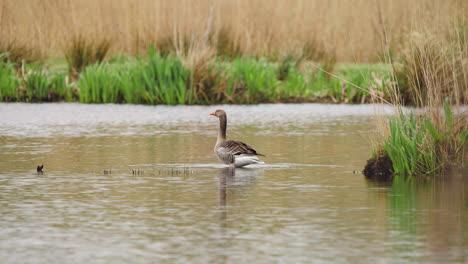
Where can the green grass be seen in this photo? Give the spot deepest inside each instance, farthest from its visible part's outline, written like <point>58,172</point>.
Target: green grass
<point>250,81</point>
<point>39,85</point>
<point>98,84</point>
<point>36,84</point>
<point>59,89</point>
<point>365,76</point>
<point>132,84</point>
<point>407,136</point>
<point>163,79</point>
<point>432,75</point>
<point>166,79</point>
<point>9,82</point>
<point>416,147</point>
<point>154,80</point>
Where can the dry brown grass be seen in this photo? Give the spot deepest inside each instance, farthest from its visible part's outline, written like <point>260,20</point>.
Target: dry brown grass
<point>349,29</point>
<point>82,53</point>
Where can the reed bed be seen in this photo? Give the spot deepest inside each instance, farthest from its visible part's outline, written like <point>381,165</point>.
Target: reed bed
<point>435,74</point>
<point>347,30</point>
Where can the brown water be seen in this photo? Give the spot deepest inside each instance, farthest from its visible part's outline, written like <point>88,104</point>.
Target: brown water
<point>305,205</point>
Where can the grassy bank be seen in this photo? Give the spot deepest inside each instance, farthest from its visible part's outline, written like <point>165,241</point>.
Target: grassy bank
<point>433,139</point>
<point>164,79</point>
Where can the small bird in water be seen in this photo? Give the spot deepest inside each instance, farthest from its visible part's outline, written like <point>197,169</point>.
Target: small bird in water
<point>233,153</point>
<point>39,168</point>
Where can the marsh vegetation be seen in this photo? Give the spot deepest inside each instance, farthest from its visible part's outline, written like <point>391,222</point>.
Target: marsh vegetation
<point>435,72</point>
<point>242,52</point>
<point>126,176</point>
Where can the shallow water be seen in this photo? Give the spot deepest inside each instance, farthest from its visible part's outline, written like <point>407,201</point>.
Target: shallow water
<point>140,184</point>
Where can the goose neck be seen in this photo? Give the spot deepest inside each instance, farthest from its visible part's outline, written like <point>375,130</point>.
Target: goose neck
<point>222,128</point>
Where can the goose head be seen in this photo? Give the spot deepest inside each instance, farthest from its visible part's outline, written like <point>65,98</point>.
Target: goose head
<point>219,113</point>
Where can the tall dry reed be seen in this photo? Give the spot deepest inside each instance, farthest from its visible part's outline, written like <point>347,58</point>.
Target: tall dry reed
<point>349,29</point>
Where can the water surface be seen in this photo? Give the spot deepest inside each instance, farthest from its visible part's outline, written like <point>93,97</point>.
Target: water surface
<point>140,184</point>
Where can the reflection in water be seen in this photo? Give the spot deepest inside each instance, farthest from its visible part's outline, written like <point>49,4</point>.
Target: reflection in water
<point>223,177</point>
<point>224,174</point>
<point>429,214</point>
<point>233,179</point>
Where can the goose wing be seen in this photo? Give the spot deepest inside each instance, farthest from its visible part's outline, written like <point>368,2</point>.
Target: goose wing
<point>238,148</point>
<point>225,156</point>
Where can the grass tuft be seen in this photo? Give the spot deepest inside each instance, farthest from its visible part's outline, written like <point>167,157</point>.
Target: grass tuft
<point>250,81</point>
<point>208,83</point>
<point>18,54</point>
<point>98,84</point>
<point>36,86</point>
<point>435,80</point>
<point>83,52</point>
<point>156,80</point>
<point>9,82</point>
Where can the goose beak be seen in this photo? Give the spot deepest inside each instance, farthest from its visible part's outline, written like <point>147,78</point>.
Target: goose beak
<point>213,114</point>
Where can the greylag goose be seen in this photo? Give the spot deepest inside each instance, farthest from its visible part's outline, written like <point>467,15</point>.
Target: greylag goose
<point>233,153</point>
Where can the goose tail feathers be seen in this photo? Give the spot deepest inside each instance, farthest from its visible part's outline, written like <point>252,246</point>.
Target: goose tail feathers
<point>244,160</point>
